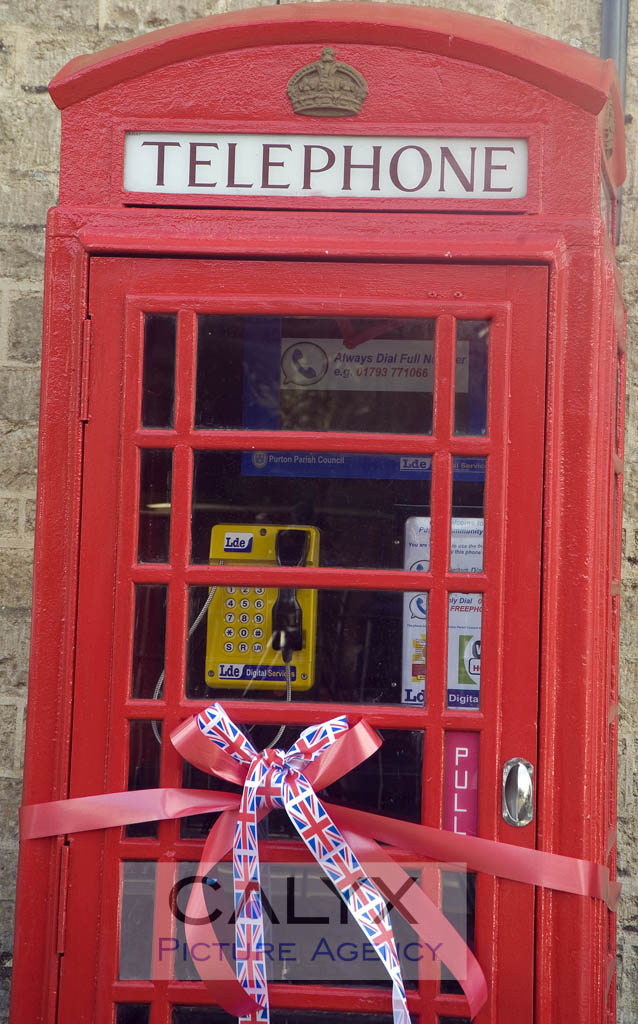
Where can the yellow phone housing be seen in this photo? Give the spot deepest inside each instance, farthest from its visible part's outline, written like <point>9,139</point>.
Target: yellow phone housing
<point>239,651</point>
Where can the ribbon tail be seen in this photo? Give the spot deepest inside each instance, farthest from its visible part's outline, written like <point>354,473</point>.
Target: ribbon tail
<point>109,810</point>
<point>335,857</point>
<point>504,860</point>
<point>249,917</point>
<point>424,917</point>
<point>216,973</point>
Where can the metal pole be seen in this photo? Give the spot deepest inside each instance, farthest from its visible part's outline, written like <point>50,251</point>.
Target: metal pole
<point>613,43</point>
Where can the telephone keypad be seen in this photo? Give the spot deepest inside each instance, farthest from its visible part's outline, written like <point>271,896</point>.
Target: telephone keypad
<point>245,619</point>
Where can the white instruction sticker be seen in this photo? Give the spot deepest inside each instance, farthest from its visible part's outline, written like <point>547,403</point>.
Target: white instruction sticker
<point>464,622</point>
<point>370,364</point>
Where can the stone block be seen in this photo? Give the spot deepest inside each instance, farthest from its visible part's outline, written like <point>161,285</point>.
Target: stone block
<point>20,392</point>
<point>6,958</point>
<point>8,871</point>
<point>7,56</point>
<point>10,724</point>
<point>47,51</point>
<point>9,516</point>
<point>18,454</point>
<point>627,988</point>
<point>10,798</point>
<point>64,15</point>
<point>29,515</point>
<point>25,327</point>
<point>576,24</point>
<point>25,149</point>
<point>7,909</point>
<point>22,252</point>
<point>31,195</point>
<point>15,629</point>
<point>15,579</point>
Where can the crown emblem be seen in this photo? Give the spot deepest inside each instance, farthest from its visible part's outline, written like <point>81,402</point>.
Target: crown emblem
<point>327,88</point>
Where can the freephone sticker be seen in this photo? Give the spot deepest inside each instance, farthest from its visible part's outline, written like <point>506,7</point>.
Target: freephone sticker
<point>464,615</point>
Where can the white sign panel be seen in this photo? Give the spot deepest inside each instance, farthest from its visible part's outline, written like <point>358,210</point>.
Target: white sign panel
<point>184,163</point>
<point>376,364</point>
<point>464,622</point>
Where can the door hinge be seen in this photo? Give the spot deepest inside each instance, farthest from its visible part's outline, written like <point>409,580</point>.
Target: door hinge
<point>62,890</point>
<point>87,332</point>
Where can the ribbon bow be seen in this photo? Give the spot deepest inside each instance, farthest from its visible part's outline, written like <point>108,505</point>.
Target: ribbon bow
<point>277,779</point>
<point>339,838</point>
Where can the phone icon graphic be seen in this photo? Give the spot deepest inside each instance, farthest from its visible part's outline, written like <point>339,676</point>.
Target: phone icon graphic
<point>419,606</point>
<point>302,366</point>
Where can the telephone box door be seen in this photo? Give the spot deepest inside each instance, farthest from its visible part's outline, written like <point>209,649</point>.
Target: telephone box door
<point>393,416</point>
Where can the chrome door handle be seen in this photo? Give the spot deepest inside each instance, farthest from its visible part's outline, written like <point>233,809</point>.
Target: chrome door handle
<point>518,792</point>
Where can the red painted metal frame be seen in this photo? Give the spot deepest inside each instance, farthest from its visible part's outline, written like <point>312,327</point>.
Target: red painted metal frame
<point>556,749</point>
<point>558,88</point>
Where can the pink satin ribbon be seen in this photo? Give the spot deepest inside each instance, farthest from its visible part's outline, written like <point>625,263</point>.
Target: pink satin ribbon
<point>362,830</point>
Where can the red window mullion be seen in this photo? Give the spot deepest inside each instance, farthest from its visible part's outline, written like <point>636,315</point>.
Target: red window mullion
<point>445,362</point>
<point>185,370</point>
<point>310,440</point>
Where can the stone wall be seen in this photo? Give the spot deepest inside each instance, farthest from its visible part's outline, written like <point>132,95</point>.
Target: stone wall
<point>36,38</point>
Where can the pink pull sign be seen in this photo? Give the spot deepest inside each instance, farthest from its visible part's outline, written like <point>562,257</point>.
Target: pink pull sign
<point>461,783</point>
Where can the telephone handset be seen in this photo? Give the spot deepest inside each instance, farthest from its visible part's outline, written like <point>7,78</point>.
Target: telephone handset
<point>254,634</point>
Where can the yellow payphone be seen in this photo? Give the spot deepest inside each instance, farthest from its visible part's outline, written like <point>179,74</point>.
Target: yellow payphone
<point>257,635</point>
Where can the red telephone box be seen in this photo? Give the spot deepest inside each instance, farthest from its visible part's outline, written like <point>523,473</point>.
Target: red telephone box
<point>333,331</point>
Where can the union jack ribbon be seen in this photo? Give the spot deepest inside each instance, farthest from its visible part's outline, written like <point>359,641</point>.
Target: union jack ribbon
<point>275,779</point>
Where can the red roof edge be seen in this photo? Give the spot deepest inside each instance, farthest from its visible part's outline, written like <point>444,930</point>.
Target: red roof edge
<point>565,71</point>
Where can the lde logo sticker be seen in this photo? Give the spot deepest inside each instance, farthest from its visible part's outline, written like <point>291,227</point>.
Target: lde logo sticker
<point>238,542</point>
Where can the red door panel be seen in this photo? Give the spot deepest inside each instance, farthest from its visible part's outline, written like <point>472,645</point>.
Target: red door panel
<point>209,380</point>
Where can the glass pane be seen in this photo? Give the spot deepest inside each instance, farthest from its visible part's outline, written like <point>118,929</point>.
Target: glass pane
<point>145,749</point>
<point>353,648</point>
<point>468,488</point>
<point>132,1013</point>
<point>309,936</point>
<point>458,901</point>
<point>465,616</point>
<point>358,503</point>
<point>470,395</point>
<point>149,637</point>
<point>204,1015</point>
<point>155,504</point>
<point>158,382</point>
<point>315,373</point>
<point>387,783</point>
<point>136,922</point>
<point>197,826</point>
<point>218,896</point>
